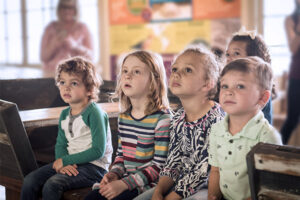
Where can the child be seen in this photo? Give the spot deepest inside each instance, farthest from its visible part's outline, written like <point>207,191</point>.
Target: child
<point>193,79</point>
<point>243,127</point>
<point>248,43</point>
<point>83,147</point>
<point>143,128</point>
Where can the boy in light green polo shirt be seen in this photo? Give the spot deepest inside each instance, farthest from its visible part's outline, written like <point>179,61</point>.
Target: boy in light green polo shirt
<point>246,85</point>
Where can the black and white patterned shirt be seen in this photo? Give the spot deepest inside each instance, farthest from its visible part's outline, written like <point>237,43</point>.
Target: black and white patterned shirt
<point>187,162</point>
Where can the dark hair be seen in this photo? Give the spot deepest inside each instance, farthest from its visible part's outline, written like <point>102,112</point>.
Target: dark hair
<point>255,47</point>
<point>253,64</point>
<point>62,2</point>
<point>84,69</point>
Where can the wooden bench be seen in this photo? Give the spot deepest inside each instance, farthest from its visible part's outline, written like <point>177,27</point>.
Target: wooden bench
<point>274,172</point>
<point>16,157</point>
<point>42,142</point>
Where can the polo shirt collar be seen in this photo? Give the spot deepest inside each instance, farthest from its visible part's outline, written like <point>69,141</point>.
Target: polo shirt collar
<point>250,130</point>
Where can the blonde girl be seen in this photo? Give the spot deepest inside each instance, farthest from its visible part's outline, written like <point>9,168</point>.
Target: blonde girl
<point>143,128</point>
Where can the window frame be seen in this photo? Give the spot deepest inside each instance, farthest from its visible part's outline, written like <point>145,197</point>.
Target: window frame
<point>25,38</point>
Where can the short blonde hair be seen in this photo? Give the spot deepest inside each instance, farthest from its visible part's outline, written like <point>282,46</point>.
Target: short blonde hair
<point>210,65</point>
<point>157,96</point>
<point>253,64</point>
<point>62,2</point>
<point>86,70</point>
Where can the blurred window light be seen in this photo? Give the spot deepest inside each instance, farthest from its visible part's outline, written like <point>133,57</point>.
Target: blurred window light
<point>274,33</point>
<point>15,36</point>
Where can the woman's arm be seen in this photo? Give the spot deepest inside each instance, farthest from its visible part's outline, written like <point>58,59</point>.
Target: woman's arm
<point>50,43</point>
<point>84,48</point>
<point>292,37</point>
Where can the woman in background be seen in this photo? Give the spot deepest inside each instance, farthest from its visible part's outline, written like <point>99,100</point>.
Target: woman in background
<point>292,26</point>
<point>66,37</point>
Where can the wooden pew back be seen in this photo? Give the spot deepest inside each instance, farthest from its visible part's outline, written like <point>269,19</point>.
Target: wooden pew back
<point>16,157</point>
<point>41,92</point>
<point>274,172</point>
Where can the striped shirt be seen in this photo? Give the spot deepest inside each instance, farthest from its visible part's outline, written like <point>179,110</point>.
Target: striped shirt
<point>142,149</point>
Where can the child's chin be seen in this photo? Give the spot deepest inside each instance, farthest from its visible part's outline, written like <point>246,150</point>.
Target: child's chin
<point>174,90</point>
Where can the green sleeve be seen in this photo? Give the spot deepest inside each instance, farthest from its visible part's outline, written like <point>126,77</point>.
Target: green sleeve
<point>98,122</point>
<point>61,140</point>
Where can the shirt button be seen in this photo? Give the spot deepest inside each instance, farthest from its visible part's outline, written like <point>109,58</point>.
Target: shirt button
<point>229,152</point>
<point>231,141</point>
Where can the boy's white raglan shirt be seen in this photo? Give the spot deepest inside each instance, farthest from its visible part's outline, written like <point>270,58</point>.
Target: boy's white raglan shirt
<point>85,137</point>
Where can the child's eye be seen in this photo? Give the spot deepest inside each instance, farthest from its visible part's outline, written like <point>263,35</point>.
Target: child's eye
<point>174,69</point>
<point>61,83</point>
<point>137,72</point>
<point>188,70</point>
<point>124,71</point>
<point>239,86</point>
<point>237,53</point>
<point>227,55</point>
<point>224,86</point>
<point>74,84</point>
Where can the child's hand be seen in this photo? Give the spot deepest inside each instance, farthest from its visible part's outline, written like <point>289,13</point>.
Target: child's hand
<point>173,196</point>
<point>113,189</point>
<point>57,165</point>
<point>70,43</point>
<point>157,196</point>
<point>109,177</point>
<point>69,170</point>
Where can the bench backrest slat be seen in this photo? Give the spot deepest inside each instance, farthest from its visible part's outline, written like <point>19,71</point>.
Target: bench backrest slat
<point>16,157</point>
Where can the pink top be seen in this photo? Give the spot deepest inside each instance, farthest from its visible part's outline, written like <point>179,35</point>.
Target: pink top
<point>59,44</point>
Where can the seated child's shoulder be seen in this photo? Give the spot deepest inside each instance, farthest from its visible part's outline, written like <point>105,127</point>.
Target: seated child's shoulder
<point>96,110</point>
<point>270,133</point>
<point>217,110</point>
<point>163,114</point>
<point>178,114</point>
<point>218,128</point>
<point>65,112</point>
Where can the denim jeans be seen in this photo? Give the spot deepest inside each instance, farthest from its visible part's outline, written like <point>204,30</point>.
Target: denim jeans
<point>126,195</point>
<point>51,185</point>
<point>147,195</point>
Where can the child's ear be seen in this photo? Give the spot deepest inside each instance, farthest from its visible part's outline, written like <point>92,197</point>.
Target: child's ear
<point>264,98</point>
<point>209,84</point>
<point>89,93</point>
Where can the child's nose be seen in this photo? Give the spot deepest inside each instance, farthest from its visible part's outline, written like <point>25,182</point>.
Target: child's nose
<point>229,59</point>
<point>176,74</point>
<point>229,92</point>
<point>67,87</point>
<point>128,75</point>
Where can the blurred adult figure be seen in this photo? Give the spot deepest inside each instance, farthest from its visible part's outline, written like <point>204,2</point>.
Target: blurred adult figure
<point>66,37</point>
<point>292,26</point>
